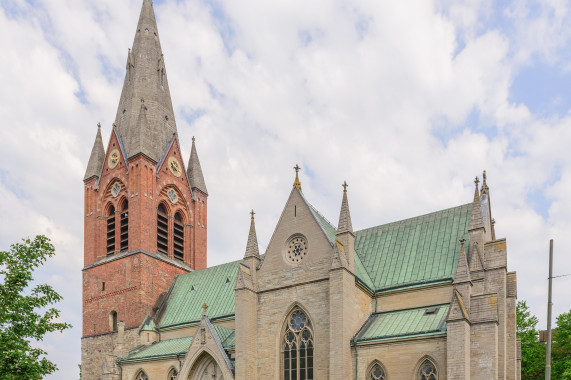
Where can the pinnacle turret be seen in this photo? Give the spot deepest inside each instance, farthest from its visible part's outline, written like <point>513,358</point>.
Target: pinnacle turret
<point>194,171</point>
<point>344,216</point>
<point>145,82</point>
<point>97,158</point>
<point>476,220</point>
<point>252,245</point>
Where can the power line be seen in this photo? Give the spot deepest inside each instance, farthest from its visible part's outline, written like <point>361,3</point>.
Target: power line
<point>563,275</point>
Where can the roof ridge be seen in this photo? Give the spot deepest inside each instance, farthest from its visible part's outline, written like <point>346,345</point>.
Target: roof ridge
<point>410,308</point>
<point>414,217</point>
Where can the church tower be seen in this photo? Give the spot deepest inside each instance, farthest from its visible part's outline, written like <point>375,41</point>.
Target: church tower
<point>145,215</point>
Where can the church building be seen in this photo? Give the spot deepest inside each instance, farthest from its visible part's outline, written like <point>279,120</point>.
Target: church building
<point>424,298</point>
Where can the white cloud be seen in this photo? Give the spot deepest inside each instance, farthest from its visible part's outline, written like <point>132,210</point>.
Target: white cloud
<point>378,94</point>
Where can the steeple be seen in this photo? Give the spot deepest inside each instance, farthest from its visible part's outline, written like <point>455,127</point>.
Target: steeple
<point>344,216</point>
<point>194,171</point>
<point>145,82</point>
<point>97,158</point>
<point>476,220</point>
<point>252,245</point>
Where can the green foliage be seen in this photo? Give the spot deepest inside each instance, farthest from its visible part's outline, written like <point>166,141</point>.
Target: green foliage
<point>561,348</point>
<point>24,312</point>
<point>532,351</point>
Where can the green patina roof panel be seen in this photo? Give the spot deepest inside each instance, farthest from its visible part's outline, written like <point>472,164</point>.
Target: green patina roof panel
<point>165,348</point>
<point>213,286</point>
<point>330,231</point>
<point>413,251</point>
<point>404,323</point>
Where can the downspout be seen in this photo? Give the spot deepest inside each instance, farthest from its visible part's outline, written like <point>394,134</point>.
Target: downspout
<point>356,362</point>
<point>179,362</point>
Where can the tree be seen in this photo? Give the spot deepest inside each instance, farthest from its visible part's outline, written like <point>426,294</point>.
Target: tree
<point>532,351</point>
<point>561,353</point>
<point>24,313</point>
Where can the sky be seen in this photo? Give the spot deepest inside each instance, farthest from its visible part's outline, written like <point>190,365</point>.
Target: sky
<point>406,100</point>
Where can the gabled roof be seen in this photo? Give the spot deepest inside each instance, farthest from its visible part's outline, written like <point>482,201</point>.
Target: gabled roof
<point>213,286</point>
<point>413,251</point>
<point>163,349</point>
<point>409,253</point>
<point>400,324</point>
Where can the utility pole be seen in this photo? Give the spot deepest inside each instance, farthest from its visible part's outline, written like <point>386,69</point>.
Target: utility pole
<point>549,305</point>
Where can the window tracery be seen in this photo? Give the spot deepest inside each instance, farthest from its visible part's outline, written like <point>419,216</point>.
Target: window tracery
<point>377,373</point>
<point>298,346</point>
<point>142,376</point>
<point>427,371</point>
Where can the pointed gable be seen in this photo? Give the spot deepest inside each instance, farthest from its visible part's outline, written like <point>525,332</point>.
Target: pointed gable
<point>145,118</point>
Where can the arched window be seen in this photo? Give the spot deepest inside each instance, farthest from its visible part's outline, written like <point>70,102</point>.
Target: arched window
<point>113,320</point>
<point>142,376</point>
<point>124,226</point>
<point>427,371</point>
<point>162,230</point>
<point>297,347</point>
<point>377,372</point>
<point>178,237</point>
<point>173,374</point>
<point>111,231</point>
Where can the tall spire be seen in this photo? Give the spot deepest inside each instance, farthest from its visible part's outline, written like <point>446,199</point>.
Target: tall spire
<point>97,158</point>
<point>252,245</point>
<point>194,171</point>
<point>344,216</point>
<point>146,81</point>
<point>476,220</point>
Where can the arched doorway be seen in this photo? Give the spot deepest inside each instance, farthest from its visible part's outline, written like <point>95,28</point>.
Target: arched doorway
<point>205,368</point>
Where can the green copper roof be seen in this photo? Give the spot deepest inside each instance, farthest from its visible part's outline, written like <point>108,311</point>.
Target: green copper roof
<point>413,251</point>
<point>162,349</point>
<point>213,286</point>
<point>362,274</point>
<point>330,231</point>
<point>148,324</point>
<point>226,336</point>
<point>404,324</point>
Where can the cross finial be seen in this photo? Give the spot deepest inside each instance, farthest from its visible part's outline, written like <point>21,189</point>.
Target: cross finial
<point>99,125</point>
<point>462,241</point>
<point>477,181</point>
<point>252,213</point>
<point>484,177</point>
<point>296,183</point>
<point>204,307</point>
<point>193,139</point>
<point>345,186</point>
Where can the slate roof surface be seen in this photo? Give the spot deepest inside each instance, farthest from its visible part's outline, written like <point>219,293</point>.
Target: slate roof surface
<point>213,286</point>
<point>414,251</point>
<point>164,348</point>
<point>404,324</point>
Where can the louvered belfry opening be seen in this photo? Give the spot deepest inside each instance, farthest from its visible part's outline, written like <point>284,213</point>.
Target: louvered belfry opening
<point>178,237</point>
<point>124,226</point>
<point>111,231</point>
<point>162,230</point>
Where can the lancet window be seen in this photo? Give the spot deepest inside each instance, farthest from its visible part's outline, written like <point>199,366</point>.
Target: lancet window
<point>111,231</point>
<point>162,230</point>
<point>178,243</point>
<point>377,373</point>
<point>427,371</point>
<point>298,347</point>
<point>173,374</point>
<point>124,225</point>
<point>142,376</point>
